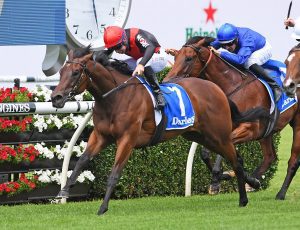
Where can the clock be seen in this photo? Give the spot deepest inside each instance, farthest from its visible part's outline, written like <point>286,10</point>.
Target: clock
<point>86,20</point>
<point>85,23</point>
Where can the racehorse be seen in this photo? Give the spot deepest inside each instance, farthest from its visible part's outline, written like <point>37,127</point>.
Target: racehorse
<point>126,116</point>
<point>290,85</point>
<point>196,59</point>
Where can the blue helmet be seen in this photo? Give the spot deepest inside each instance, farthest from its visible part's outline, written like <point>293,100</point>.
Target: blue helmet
<point>227,33</point>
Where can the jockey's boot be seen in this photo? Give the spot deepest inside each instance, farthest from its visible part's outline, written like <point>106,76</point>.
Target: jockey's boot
<point>259,71</point>
<point>152,80</point>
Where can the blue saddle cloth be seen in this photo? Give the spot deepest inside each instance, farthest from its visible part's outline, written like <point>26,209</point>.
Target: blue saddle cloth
<point>179,109</point>
<point>277,70</point>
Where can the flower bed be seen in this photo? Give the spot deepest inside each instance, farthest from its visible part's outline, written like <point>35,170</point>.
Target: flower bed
<point>44,141</point>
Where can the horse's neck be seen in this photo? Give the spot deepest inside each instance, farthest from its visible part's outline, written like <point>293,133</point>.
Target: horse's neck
<point>223,75</point>
<point>103,79</point>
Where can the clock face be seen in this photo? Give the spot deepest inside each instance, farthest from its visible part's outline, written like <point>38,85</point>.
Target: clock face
<point>86,20</point>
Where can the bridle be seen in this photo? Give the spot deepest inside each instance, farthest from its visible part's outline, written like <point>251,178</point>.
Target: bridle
<point>84,73</point>
<point>198,50</point>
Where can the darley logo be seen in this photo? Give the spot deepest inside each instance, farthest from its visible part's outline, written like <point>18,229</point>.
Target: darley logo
<point>207,30</point>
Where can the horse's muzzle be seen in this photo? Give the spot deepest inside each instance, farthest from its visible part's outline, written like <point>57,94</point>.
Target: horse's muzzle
<point>58,101</point>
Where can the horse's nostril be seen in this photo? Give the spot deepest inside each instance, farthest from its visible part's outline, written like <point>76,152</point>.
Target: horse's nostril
<point>56,98</point>
<point>292,85</point>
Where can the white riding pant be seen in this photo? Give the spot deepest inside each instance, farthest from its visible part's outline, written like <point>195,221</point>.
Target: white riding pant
<point>260,56</point>
<point>158,62</point>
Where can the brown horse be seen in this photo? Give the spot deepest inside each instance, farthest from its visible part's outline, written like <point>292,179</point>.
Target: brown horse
<point>195,59</point>
<point>290,85</point>
<point>126,116</point>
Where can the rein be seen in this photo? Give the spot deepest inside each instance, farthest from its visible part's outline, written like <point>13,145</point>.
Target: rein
<point>87,73</point>
<point>243,75</point>
<point>198,50</point>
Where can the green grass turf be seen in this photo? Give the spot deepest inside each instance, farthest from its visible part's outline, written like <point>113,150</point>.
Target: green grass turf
<point>196,212</point>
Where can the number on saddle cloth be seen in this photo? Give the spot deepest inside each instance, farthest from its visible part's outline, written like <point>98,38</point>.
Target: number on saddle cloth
<point>178,110</point>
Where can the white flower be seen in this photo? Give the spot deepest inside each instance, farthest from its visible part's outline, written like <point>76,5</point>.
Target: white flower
<point>54,176</point>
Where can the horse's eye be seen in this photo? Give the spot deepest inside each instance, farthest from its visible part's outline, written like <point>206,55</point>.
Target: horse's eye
<point>187,59</point>
<point>76,73</point>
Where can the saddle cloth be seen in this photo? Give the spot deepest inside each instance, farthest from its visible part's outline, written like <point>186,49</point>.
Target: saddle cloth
<point>277,70</point>
<point>178,110</point>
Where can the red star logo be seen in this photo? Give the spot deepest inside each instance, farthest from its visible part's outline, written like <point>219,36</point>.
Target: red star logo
<point>210,13</point>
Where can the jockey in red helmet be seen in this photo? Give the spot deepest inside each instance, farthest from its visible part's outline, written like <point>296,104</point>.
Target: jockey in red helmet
<point>144,49</point>
<point>245,47</point>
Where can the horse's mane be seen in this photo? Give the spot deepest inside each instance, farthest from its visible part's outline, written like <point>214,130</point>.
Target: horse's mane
<point>195,39</point>
<point>103,58</point>
<point>80,52</point>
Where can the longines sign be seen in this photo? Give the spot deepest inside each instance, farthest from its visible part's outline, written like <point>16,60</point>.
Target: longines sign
<point>17,107</point>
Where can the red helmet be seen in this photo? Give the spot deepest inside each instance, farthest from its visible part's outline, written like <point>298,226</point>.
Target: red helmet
<point>114,35</point>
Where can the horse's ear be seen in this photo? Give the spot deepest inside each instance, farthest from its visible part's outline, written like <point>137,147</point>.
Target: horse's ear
<point>88,57</point>
<point>71,55</point>
<point>208,40</point>
<point>200,43</point>
<point>205,41</point>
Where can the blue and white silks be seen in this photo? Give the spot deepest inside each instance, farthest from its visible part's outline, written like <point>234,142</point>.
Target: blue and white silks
<point>277,70</point>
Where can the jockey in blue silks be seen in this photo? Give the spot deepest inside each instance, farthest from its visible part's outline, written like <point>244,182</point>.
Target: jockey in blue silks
<point>245,47</point>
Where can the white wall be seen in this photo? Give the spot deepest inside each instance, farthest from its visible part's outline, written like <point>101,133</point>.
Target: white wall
<point>168,20</point>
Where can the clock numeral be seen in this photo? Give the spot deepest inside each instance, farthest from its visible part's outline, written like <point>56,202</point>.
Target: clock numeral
<point>113,12</point>
<point>102,26</point>
<point>76,28</point>
<point>89,35</point>
<point>67,13</point>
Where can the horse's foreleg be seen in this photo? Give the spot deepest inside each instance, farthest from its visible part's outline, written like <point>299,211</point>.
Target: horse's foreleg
<point>269,156</point>
<point>214,188</point>
<point>205,157</point>
<point>93,147</point>
<point>293,164</point>
<point>122,155</point>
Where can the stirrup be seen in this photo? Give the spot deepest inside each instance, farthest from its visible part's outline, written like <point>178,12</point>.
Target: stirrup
<point>277,94</point>
<point>160,100</point>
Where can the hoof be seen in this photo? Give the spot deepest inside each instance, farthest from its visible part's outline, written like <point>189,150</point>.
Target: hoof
<point>243,203</point>
<point>248,188</point>
<point>279,197</point>
<point>230,173</point>
<point>214,189</point>
<point>256,184</point>
<point>62,194</point>
<point>102,210</point>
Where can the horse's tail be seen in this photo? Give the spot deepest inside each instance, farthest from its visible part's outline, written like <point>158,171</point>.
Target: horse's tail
<point>249,115</point>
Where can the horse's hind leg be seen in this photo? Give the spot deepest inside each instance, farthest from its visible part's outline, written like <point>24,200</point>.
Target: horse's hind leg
<point>94,146</point>
<point>230,154</point>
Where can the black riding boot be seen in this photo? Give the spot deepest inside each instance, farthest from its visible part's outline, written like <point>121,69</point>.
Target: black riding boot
<point>151,78</point>
<point>258,70</point>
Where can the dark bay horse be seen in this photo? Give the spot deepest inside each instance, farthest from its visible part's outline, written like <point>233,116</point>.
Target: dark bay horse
<point>290,84</point>
<point>126,117</point>
<point>195,59</point>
